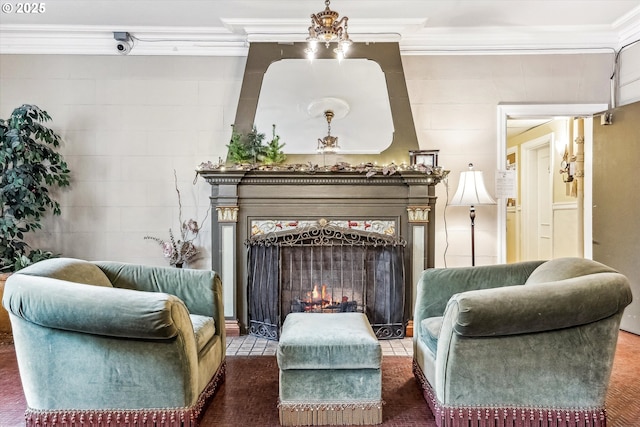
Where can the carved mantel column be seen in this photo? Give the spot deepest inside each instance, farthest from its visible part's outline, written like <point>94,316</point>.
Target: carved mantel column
<point>224,240</point>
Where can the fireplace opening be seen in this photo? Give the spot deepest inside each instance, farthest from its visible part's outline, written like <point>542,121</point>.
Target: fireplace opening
<point>324,268</point>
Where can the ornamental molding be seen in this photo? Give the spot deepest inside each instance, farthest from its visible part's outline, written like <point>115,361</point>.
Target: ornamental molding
<point>418,214</point>
<point>227,213</point>
<point>222,180</point>
<point>242,177</point>
<point>324,232</point>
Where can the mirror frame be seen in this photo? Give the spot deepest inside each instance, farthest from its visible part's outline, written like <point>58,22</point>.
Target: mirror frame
<point>387,55</point>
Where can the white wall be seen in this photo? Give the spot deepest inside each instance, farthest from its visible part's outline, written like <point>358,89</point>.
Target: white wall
<point>128,121</point>
<point>454,101</point>
<point>629,75</point>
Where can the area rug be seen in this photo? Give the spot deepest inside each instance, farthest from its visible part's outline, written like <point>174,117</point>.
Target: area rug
<point>249,395</point>
<point>248,398</point>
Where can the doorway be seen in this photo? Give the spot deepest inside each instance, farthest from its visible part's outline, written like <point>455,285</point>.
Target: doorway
<point>506,111</point>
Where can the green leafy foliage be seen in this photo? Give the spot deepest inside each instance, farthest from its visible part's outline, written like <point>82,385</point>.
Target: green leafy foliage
<point>273,153</point>
<point>254,144</point>
<point>29,167</point>
<point>238,151</point>
<point>251,148</point>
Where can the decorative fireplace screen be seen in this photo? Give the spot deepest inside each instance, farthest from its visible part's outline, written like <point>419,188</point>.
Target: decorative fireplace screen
<point>324,268</point>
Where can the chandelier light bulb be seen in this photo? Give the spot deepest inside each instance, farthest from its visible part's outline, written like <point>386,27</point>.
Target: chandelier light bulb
<point>327,28</point>
<point>311,53</point>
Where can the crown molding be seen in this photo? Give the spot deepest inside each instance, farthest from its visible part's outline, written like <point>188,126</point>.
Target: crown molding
<point>294,30</point>
<point>509,40</point>
<point>628,27</point>
<point>233,38</point>
<point>98,40</point>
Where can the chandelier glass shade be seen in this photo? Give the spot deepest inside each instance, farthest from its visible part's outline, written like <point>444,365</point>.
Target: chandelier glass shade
<point>328,144</point>
<point>326,28</point>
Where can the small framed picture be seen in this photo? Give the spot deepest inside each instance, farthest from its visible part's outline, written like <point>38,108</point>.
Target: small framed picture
<point>425,157</point>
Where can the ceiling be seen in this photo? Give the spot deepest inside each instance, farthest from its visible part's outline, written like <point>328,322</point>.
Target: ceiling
<point>216,27</point>
<point>517,126</point>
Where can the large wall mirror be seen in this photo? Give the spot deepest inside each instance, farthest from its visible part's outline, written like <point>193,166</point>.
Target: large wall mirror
<point>367,91</point>
<point>296,94</point>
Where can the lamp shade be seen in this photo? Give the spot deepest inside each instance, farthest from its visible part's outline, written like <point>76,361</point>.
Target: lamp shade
<point>471,190</point>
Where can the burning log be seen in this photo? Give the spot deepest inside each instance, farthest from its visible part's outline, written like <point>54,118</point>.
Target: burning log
<point>311,305</point>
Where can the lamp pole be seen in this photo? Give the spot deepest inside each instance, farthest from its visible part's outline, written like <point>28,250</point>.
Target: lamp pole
<point>471,192</point>
<point>472,215</point>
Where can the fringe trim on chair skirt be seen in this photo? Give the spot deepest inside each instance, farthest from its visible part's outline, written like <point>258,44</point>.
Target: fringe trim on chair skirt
<point>316,414</point>
<point>494,416</point>
<point>160,417</point>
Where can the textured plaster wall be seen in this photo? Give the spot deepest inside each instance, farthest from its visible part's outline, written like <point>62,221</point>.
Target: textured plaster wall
<point>454,101</point>
<point>129,121</point>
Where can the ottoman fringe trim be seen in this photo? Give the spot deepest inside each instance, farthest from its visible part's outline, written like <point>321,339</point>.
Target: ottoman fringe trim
<point>506,416</point>
<point>330,413</point>
<point>152,417</point>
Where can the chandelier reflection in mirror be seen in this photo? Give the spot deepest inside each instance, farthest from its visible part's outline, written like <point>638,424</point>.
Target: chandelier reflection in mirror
<point>325,27</point>
<point>328,144</point>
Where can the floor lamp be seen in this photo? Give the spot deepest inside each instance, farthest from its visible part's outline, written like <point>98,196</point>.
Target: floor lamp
<point>472,192</point>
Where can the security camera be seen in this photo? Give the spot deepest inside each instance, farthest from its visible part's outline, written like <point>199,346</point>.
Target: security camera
<point>124,44</point>
<point>123,48</point>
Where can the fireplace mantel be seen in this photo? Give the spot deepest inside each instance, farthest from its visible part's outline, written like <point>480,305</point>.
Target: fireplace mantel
<point>241,197</point>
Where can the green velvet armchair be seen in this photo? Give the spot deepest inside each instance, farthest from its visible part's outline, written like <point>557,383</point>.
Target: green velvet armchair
<point>526,344</point>
<point>106,343</point>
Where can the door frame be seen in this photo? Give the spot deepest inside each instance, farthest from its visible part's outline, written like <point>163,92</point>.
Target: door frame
<point>506,111</point>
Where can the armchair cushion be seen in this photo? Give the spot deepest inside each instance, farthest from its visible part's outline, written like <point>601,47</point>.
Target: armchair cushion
<point>430,332</point>
<point>204,328</point>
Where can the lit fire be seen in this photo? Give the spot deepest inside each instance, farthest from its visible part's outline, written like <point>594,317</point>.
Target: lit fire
<point>319,299</point>
<point>319,296</point>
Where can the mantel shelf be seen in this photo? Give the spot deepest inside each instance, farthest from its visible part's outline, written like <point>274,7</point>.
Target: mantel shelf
<point>318,177</point>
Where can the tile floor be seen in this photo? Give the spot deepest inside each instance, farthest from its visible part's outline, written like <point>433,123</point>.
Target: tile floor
<point>248,345</point>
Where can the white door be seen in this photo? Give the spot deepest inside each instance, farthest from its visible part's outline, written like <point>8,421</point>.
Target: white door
<point>544,234</point>
<point>537,230</point>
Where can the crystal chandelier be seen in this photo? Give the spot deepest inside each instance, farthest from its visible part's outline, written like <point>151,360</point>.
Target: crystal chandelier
<point>328,144</point>
<point>325,27</point>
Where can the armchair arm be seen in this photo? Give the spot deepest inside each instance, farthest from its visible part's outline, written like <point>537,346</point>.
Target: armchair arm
<point>95,310</point>
<point>541,307</point>
<point>438,285</point>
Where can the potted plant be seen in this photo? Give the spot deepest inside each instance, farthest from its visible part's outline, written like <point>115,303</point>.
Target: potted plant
<point>251,148</point>
<point>30,167</point>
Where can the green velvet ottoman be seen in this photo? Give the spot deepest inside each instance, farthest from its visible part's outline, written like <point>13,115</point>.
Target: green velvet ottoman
<point>330,370</point>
